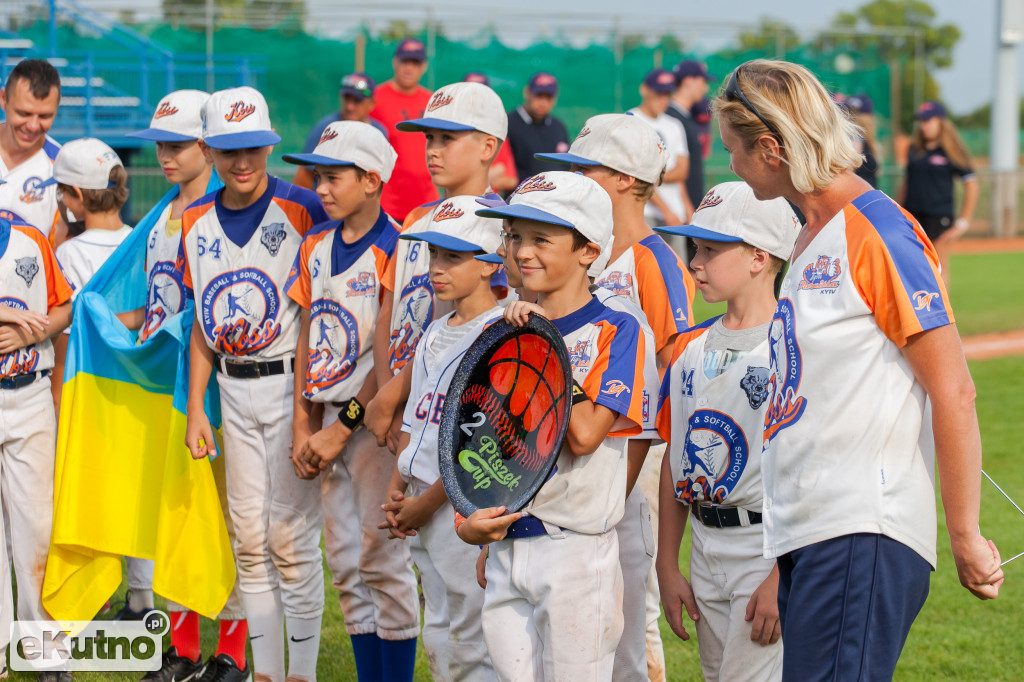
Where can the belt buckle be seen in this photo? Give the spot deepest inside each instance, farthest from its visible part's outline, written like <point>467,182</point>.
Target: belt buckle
<point>244,370</point>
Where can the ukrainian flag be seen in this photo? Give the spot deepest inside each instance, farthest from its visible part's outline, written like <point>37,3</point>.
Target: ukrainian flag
<point>125,484</point>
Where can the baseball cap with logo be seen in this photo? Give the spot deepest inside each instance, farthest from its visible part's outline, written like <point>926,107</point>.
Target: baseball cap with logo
<point>351,143</point>
<point>462,106</point>
<point>84,163</point>
<point>238,118</point>
<point>861,104</point>
<point>660,81</point>
<point>178,118</point>
<point>558,198</point>
<point>730,212</point>
<point>411,49</point>
<point>457,226</point>
<point>691,67</point>
<point>477,77</point>
<point>358,85</point>
<point>543,83</point>
<point>621,142</point>
<point>929,109</point>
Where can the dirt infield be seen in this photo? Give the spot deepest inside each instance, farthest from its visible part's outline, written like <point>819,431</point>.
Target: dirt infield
<point>988,245</point>
<point>988,346</point>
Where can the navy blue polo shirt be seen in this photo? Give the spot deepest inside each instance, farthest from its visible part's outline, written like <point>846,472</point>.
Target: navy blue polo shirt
<point>527,138</point>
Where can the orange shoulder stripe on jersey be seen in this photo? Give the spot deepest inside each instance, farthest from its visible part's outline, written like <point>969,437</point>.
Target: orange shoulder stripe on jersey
<point>668,312</point>
<point>663,420</point>
<point>595,382</point>
<point>297,214</point>
<point>58,290</point>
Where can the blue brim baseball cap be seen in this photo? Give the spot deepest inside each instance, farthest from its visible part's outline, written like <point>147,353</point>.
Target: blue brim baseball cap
<point>568,158</point>
<point>523,211</point>
<point>695,232</point>
<point>417,125</point>
<point>443,241</point>
<point>491,258</point>
<point>314,160</point>
<point>159,135</point>
<point>243,140</point>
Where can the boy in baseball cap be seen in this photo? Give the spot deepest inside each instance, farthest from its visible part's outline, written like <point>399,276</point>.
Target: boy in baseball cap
<point>557,223</point>
<point>238,246</point>
<point>336,283</point>
<point>712,412</point>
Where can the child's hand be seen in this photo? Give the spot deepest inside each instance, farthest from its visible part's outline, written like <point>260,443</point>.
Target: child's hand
<point>763,609</point>
<point>394,505</point>
<point>487,525</point>
<point>28,320</point>
<point>303,469</point>
<point>675,595</point>
<point>199,435</point>
<point>394,437</point>
<point>324,446</point>
<point>481,566</point>
<point>412,514</point>
<point>518,312</point>
<point>378,417</point>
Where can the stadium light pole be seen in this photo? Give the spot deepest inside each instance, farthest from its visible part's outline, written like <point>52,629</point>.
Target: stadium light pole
<point>1005,150</point>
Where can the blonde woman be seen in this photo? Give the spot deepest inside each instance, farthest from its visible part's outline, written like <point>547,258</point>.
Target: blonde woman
<point>936,156</point>
<point>862,335</point>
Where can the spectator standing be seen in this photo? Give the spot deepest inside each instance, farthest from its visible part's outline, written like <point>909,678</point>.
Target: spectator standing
<point>533,130</point>
<point>691,86</point>
<point>400,99</point>
<point>863,112</point>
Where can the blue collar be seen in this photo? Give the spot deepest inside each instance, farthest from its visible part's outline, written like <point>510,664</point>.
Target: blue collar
<point>573,321</point>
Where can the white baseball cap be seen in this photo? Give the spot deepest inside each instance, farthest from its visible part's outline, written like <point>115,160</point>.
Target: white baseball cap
<point>463,106</point>
<point>559,198</point>
<point>730,212</point>
<point>621,142</point>
<point>178,118</point>
<point>238,118</point>
<point>351,143</point>
<point>84,163</point>
<point>456,225</point>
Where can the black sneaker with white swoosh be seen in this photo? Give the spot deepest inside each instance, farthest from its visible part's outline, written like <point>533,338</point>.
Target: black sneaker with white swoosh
<point>175,668</point>
<point>222,668</point>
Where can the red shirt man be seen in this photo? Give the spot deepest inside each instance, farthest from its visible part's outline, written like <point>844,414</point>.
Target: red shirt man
<point>400,99</point>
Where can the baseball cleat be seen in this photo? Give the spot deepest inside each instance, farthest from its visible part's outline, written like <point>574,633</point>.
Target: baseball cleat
<point>175,668</point>
<point>222,668</point>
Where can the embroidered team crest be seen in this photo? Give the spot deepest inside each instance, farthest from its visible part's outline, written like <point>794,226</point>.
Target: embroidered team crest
<point>584,132</point>
<point>821,275</point>
<point>272,237</point>
<point>661,144</point>
<point>535,184</point>
<point>165,109</point>
<point>786,369</point>
<point>328,134</point>
<point>239,111</point>
<point>240,310</point>
<point>714,456</point>
<point>363,284</point>
<point>579,355</point>
<point>447,211</point>
<point>923,299</point>
<point>31,192</point>
<point>755,384</point>
<point>334,345</point>
<point>619,283</point>
<point>616,387</point>
<point>439,100</point>
<point>710,200</point>
<point>26,268</point>
<point>417,306</point>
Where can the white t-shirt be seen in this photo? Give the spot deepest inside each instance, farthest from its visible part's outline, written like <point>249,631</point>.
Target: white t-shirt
<point>674,135</point>
<point>82,256</point>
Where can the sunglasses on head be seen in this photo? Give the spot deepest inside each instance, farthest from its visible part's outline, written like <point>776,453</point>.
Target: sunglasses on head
<point>733,93</point>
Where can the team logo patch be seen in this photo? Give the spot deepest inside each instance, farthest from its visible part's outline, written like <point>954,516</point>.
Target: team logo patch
<point>616,388</point>
<point>239,111</point>
<point>923,299</point>
<point>439,100</point>
<point>661,144</point>
<point>23,360</point>
<point>447,211</point>
<point>165,109</point>
<point>710,200</point>
<point>785,370</point>
<point>821,275</point>
<point>31,192</point>
<point>584,132</point>
<point>272,237</point>
<point>579,355</point>
<point>535,184</point>
<point>938,160</point>
<point>166,297</point>
<point>240,310</point>
<point>328,134</point>
<point>26,268</point>
<point>755,384</point>
<point>334,345</point>
<point>617,282</point>
<point>417,306</point>
<point>715,454</point>
<point>363,284</point>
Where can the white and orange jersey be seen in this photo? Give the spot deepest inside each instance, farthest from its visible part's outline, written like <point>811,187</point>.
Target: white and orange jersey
<point>339,283</point>
<point>30,279</point>
<point>713,424</point>
<point>650,274</point>
<point>165,293</point>
<point>845,419</point>
<point>587,494</point>
<point>236,264</point>
<point>21,198</point>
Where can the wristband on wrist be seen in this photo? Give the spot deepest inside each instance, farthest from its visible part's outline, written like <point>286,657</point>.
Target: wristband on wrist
<point>351,414</point>
<point>578,396</point>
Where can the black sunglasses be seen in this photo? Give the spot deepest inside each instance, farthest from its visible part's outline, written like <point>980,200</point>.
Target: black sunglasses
<point>733,92</point>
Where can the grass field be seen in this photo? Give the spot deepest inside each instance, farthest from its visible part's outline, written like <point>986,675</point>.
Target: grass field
<point>956,637</point>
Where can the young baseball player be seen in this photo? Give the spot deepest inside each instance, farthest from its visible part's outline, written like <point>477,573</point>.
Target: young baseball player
<point>627,157</point>
<point>177,129</point>
<point>417,504</point>
<point>553,603</point>
<point>238,246</point>
<point>35,306</point>
<point>336,282</point>
<point>713,403</point>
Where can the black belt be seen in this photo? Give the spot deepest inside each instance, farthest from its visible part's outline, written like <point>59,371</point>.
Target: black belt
<point>722,517</point>
<point>247,369</point>
<point>22,380</point>
<point>526,527</point>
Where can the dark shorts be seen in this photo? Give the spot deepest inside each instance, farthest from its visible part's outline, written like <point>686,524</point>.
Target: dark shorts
<point>934,225</point>
<point>846,607</point>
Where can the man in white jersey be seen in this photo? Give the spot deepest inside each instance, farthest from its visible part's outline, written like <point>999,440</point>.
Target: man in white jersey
<point>29,100</point>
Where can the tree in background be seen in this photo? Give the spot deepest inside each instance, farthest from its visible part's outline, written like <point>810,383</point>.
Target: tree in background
<point>771,37</point>
<point>253,13</point>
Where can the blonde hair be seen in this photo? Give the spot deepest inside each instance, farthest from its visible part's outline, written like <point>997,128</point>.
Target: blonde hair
<point>949,140</point>
<point>816,136</point>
